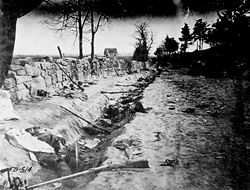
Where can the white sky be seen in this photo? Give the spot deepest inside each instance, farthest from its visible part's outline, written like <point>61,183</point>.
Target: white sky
<point>34,38</point>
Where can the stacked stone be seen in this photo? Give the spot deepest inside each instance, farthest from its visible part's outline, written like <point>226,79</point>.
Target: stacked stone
<point>25,76</point>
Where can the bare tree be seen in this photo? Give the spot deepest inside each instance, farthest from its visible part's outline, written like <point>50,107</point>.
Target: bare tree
<point>69,15</point>
<point>98,18</point>
<point>144,41</point>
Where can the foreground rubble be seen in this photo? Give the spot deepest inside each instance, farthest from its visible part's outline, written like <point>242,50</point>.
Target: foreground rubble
<point>86,124</point>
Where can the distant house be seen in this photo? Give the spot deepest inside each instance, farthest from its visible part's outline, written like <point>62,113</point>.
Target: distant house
<point>110,52</point>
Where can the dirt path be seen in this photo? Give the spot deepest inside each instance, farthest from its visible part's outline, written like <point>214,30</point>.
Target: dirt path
<point>188,134</point>
<point>187,138</point>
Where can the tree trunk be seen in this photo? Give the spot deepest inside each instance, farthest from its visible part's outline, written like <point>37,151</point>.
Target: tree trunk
<point>80,30</point>
<point>92,36</point>
<point>10,10</point>
<point>92,32</point>
<point>7,41</point>
<point>92,46</point>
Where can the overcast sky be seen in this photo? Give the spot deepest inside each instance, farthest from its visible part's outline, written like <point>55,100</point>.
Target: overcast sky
<point>166,17</point>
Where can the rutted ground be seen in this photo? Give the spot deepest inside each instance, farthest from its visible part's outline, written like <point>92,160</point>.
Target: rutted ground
<point>187,137</point>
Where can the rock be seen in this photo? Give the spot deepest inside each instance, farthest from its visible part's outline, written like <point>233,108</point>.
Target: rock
<point>32,71</point>
<point>37,83</point>
<point>15,67</point>
<point>48,81</point>
<point>27,84</point>
<point>21,86</point>
<point>65,83</point>
<point>30,61</point>
<point>21,72</point>
<point>54,79</point>
<point>6,107</point>
<point>13,95</point>
<point>23,79</point>
<point>62,62</point>
<point>37,65</point>
<point>23,94</point>
<point>45,65</point>
<point>15,62</point>
<point>11,74</point>
<point>59,85</point>
<point>59,76</point>
<point>43,73</point>
<point>9,83</point>
<point>49,72</point>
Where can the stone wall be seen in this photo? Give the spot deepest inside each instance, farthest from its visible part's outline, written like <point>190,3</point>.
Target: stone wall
<point>26,76</point>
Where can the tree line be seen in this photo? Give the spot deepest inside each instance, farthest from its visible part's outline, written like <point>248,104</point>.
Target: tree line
<point>228,38</point>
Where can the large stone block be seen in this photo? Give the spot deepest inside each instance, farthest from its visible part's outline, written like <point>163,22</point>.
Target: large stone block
<point>9,83</point>
<point>37,83</point>
<point>30,61</point>
<point>62,62</point>
<point>37,65</point>
<point>81,76</point>
<point>48,80</point>
<point>6,107</point>
<point>21,87</point>
<point>54,79</point>
<point>43,73</point>
<point>15,67</point>
<point>59,85</point>
<point>49,72</point>
<point>27,84</point>
<point>23,94</point>
<point>45,65</point>
<point>32,71</point>
<point>11,74</point>
<point>21,72</point>
<point>15,62</point>
<point>59,75</point>
<point>23,79</point>
<point>65,83</point>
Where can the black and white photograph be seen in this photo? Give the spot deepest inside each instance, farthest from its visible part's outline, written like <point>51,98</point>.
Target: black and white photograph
<point>124,95</point>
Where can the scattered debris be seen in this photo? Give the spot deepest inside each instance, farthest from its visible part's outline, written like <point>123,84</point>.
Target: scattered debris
<point>26,141</point>
<point>128,164</point>
<point>106,92</point>
<point>93,125</point>
<point>171,108</point>
<point>170,162</point>
<point>157,135</point>
<point>42,93</point>
<point>88,143</point>
<point>189,110</point>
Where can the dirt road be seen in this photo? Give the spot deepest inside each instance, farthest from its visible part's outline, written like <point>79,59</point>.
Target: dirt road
<point>187,137</point>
